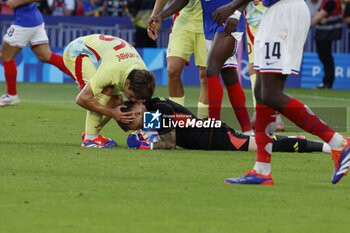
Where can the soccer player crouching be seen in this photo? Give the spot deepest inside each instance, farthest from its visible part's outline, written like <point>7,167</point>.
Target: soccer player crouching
<point>104,66</point>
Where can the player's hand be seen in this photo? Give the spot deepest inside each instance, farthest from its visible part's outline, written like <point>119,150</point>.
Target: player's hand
<point>256,2</point>
<point>231,25</point>
<point>152,26</point>
<point>12,4</point>
<point>124,117</point>
<point>133,142</point>
<point>222,13</point>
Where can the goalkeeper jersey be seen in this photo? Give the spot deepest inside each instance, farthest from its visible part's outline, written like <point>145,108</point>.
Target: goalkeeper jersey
<point>112,57</point>
<point>193,133</point>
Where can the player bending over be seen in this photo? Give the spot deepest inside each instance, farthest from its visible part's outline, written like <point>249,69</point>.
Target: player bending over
<point>201,134</point>
<point>105,66</point>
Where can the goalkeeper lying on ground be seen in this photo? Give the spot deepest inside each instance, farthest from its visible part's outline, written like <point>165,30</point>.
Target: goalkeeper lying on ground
<point>179,127</point>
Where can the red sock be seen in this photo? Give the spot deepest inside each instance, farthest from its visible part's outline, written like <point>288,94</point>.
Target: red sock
<point>303,117</point>
<point>215,94</point>
<point>262,127</point>
<point>237,99</point>
<point>57,60</point>
<point>10,69</point>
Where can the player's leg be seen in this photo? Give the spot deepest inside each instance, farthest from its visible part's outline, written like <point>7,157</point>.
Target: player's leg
<point>15,39</point>
<point>237,97</point>
<point>94,123</point>
<point>201,62</point>
<point>7,56</point>
<point>251,32</point>
<point>226,138</point>
<point>283,143</point>
<point>214,85</point>
<point>298,144</point>
<point>40,46</point>
<point>175,87</point>
<point>203,96</point>
<point>44,54</point>
<point>180,49</point>
<point>222,59</point>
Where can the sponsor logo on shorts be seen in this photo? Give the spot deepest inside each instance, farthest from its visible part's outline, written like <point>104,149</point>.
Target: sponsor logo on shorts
<point>271,63</point>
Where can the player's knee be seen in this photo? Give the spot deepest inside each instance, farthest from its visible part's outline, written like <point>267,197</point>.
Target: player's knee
<point>270,100</point>
<point>212,70</point>
<point>202,75</point>
<point>174,73</point>
<point>43,58</point>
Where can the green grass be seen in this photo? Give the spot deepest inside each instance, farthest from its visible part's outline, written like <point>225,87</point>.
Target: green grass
<point>49,184</point>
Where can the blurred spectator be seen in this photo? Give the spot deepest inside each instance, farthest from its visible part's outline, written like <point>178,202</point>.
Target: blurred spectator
<point>118,8</point>
<point>61,7</point>
<point>141,10</point>
<point>328,27</point>
<point>94,8</point>
<point>5,10</point>
<point>44,7</point>
<point>314,6</point>
<point>347,21</point>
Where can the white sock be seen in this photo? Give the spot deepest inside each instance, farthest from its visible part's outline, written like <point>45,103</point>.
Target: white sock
<point>326,148</point>
<point>90,136</point>
<point>262,168</point>
<point>337,142</point>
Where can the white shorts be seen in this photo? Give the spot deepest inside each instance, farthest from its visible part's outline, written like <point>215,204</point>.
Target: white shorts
<point>18,36</point>
<point>279,41</point>
<point>231,62</point>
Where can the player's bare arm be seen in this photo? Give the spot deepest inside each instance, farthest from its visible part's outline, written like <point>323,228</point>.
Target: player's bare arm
<point>175,6</point>
<point>318,17</point>
<point>15,3</point>
<point>152,28</point>
<point>222,13</point>
<point>232,21</point>
<point>167,141</point>
<point>86,100</point>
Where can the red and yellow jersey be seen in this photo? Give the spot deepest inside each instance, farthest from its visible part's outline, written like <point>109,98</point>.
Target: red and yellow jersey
<point>113,58</point>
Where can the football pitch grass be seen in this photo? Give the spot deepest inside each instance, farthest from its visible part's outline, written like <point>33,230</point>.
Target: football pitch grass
<point>49,184</point>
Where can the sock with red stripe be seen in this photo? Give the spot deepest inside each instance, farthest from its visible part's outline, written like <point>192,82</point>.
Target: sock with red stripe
<point>215,95</point>
<point>10,70</point>
<point>264,127</point>
<point>303,117</point>
<point>237,99</point>
<point>57,60</point>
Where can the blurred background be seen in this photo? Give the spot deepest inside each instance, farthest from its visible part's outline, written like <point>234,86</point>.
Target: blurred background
<point>66,20</point>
